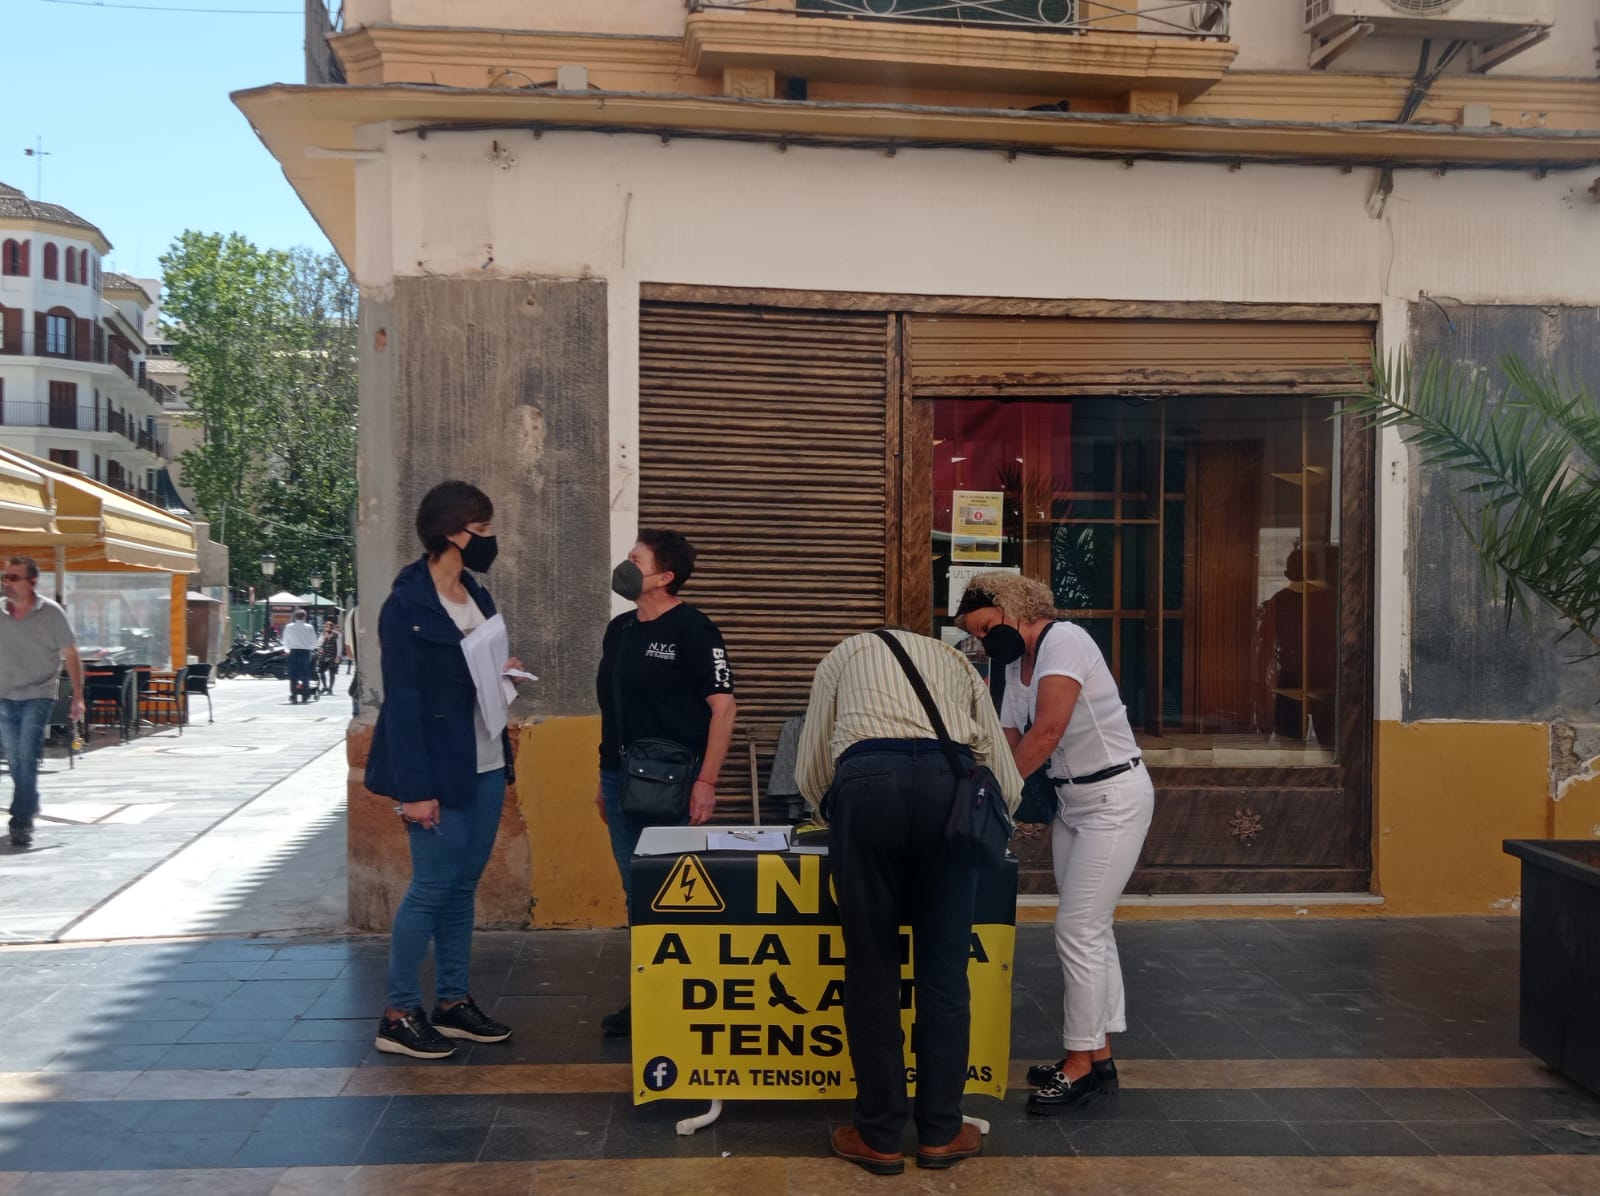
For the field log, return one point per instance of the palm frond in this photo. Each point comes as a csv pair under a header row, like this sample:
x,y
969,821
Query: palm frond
x,y
1527,446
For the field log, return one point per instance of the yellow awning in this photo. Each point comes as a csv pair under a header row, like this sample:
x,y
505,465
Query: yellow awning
x,y
26,503
99,525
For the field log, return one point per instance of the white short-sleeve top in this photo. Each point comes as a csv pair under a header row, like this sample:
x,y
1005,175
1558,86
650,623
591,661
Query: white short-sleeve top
x,y
1098,735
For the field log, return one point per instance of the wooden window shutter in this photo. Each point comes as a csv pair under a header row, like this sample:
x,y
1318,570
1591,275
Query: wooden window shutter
x,y
41,333
83,340
11,329
762,437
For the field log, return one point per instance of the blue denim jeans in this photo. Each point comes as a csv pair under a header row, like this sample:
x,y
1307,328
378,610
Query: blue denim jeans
x,y
438,907
22,727
624,831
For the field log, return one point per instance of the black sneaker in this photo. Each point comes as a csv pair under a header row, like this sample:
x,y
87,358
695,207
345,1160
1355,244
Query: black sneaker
x,y
618,1024
22,836
410,1034
466,1020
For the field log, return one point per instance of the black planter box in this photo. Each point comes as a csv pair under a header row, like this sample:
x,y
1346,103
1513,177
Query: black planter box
x,y
1560,989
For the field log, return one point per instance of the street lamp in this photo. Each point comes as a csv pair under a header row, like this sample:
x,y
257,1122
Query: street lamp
x,y
269,566
316,594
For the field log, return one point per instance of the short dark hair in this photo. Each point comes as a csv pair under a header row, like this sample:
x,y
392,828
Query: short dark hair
x,y
299,616
29,566
674,554
446,510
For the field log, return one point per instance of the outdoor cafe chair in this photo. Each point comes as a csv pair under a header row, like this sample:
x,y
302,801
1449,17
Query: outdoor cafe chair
x,y
198,681
111,690
164,696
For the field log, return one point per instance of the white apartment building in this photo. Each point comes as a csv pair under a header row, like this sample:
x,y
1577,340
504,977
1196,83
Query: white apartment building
x,y
74,387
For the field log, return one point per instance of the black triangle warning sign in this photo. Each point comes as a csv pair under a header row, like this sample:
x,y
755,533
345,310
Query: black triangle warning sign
x,y
688,888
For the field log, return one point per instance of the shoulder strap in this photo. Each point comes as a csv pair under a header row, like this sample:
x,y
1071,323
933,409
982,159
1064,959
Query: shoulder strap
x,y
924,696
1037,644
616,678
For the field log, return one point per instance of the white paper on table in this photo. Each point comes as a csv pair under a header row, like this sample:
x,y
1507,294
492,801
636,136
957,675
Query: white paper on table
x,y
486,649
748,840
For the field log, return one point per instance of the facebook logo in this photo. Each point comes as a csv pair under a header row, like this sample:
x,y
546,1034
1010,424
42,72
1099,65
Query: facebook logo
x,y
660,1074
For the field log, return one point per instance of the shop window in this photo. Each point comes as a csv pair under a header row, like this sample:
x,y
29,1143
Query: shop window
x,y
1196,539
67,457
51,260
14,257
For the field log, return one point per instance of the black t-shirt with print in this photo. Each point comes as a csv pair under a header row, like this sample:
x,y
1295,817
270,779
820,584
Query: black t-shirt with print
x,y
670,666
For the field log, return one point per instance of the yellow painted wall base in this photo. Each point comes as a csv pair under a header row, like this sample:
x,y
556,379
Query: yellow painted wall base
x,y
1447,795
1577,812
575,881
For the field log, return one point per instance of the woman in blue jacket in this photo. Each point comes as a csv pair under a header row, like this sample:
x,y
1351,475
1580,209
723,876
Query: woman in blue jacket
x,y
432,752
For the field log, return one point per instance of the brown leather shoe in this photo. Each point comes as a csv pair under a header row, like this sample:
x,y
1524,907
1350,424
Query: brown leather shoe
x,y
963,1146
847,1144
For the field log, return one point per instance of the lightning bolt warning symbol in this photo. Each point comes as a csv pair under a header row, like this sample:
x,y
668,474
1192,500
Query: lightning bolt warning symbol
x,y
688,887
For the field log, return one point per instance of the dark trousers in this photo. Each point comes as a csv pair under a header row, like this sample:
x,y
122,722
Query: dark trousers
x,y
888,810
301,683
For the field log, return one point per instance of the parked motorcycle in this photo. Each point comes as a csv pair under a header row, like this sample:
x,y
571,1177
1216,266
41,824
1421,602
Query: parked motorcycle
x,y
250,658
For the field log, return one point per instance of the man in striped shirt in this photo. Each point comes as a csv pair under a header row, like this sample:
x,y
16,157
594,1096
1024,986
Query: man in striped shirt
x,y
870,760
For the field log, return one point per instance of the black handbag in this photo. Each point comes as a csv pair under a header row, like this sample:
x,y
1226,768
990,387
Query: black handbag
x,y
979,827
657,774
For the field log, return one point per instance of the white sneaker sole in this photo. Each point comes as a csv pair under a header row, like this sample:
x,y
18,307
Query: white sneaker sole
x,y
455,1032
390,1047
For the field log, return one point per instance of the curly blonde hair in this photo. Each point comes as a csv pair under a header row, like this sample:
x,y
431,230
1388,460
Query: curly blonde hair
x,y
1021,598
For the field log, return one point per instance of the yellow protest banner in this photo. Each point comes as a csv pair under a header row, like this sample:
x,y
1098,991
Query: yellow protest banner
x,y
738,980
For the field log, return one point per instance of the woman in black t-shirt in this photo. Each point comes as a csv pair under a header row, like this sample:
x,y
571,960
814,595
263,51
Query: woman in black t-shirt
x,y
675,684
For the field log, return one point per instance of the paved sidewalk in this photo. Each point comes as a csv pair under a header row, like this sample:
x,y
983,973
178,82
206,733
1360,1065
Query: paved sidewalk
x,y
1352,1056
218,812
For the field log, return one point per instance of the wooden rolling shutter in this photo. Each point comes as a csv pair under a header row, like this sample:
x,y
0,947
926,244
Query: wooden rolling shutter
x,y
762,438
965,355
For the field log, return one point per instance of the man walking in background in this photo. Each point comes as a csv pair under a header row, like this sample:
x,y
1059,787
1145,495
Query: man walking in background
x,y
301,640
35,637
870,760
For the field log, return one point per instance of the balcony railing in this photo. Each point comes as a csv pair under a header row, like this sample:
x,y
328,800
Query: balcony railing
x,y
30,413
1171,18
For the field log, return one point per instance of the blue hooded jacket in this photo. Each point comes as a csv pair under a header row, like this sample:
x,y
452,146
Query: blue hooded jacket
x,y
425,745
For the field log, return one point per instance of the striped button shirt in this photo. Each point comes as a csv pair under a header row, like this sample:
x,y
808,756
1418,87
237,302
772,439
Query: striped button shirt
x,y
861,692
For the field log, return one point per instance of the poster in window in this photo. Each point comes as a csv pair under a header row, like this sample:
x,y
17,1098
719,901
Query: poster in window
x,y
976,518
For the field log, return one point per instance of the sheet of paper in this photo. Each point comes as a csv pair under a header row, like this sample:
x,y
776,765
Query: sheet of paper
x,y
776,839
520,674
486,649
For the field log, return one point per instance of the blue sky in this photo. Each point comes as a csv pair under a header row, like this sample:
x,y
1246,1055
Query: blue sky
x,y
142,138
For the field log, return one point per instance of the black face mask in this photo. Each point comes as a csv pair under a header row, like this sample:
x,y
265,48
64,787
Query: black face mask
x,y
627,581
1003,644
480,552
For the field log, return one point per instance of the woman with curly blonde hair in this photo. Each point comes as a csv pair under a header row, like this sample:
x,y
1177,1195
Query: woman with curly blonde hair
x,y
1062,708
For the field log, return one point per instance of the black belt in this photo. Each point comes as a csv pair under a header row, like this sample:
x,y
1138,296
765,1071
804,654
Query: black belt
x,y
1105,774
906,747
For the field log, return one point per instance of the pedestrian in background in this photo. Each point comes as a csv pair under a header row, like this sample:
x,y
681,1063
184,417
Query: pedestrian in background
x,y
1062,706
664,671
870,760
301,640
432,751
330,647
35,637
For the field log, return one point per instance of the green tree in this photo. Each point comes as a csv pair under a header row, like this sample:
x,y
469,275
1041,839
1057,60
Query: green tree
x,y
269,341
1527,445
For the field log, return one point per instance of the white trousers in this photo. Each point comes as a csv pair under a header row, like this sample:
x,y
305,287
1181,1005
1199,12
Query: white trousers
x,y
1095,842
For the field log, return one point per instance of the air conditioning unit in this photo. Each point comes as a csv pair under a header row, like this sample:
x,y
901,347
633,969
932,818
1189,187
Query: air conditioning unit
x,y
1472,20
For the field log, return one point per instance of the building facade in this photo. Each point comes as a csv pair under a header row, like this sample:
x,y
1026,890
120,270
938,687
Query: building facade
x,y
74,388
865,297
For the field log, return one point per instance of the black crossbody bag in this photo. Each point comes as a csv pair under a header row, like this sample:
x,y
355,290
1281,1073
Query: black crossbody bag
x,y
657,774
1038,787
979,826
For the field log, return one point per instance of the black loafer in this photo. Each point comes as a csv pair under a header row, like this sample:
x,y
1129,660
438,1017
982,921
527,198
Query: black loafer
x,y
1105,1070
1062,1095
